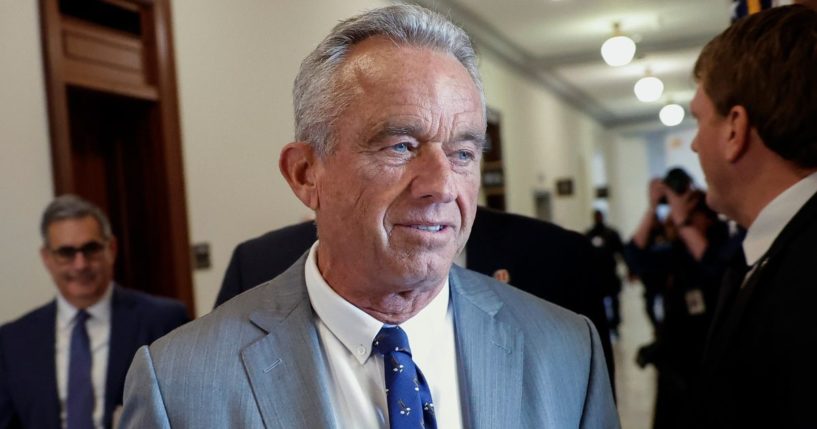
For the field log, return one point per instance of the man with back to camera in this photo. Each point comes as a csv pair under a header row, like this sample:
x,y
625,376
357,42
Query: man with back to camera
x,y
73,376
756,105
373,327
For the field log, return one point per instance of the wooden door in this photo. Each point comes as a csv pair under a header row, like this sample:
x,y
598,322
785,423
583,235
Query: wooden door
x,y
115,139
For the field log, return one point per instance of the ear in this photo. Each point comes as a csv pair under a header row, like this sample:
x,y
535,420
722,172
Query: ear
x,y
737,125
299,165
45,254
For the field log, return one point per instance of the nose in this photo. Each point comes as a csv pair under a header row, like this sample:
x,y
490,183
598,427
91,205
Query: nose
x,y
434,178
80,261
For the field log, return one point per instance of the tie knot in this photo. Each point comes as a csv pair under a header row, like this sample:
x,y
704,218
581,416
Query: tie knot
x,y
391,339
82,316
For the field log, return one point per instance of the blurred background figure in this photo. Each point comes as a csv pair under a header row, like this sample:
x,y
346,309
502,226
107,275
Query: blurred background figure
x,y
64,364
611,250
680,251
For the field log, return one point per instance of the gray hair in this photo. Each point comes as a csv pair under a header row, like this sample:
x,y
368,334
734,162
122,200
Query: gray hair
x,y
317,98
70,206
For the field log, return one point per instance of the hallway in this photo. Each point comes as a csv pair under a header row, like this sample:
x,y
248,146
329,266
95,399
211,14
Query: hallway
x,y
635,387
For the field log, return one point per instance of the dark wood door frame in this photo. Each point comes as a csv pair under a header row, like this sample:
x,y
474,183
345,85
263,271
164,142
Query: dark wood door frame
x,y
79,54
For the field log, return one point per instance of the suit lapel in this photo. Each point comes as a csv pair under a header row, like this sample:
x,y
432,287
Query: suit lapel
x,y
490,356
43,359
289,358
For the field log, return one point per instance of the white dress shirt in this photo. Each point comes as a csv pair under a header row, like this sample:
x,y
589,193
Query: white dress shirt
x,y
357,388
774,217
99,332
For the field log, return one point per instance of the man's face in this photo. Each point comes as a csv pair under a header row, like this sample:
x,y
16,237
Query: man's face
x,y
81,278
708,143
397,197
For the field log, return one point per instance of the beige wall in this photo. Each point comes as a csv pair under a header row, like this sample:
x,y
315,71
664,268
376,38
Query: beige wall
x,y
25,163
543,140
235,69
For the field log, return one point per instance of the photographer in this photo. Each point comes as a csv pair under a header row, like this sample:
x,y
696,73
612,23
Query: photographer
x,y
680,256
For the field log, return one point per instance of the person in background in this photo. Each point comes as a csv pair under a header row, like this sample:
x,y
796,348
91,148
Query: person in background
x,y
64,364
686,251
756,105
375,327
611,249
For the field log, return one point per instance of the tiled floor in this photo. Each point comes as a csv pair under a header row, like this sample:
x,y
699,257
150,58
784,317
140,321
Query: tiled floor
x,y
635,387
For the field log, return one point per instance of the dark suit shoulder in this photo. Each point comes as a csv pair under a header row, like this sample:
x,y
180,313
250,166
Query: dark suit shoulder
x,y
36,318
160,312
293,236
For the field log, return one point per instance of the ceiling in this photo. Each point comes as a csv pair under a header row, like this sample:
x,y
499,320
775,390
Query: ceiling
x,y
557,42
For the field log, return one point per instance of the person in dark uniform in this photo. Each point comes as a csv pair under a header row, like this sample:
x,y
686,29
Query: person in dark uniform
x,y
687,251
608,242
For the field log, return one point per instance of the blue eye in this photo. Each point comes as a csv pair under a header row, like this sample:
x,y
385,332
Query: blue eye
x,y
401,147
464,155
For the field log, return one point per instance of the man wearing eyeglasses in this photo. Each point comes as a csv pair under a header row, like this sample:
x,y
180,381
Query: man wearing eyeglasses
x,y
64,364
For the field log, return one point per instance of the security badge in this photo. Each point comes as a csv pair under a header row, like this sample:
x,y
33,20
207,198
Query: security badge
x,y
695,302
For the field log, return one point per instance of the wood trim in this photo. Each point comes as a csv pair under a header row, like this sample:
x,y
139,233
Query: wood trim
x,y
57,105
165,78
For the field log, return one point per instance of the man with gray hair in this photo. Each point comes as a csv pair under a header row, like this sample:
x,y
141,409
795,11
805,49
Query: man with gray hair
x,y
373,327
64,364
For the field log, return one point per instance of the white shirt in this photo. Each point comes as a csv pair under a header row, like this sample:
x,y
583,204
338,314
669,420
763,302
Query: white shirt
x,y
99,332
774,217
358,388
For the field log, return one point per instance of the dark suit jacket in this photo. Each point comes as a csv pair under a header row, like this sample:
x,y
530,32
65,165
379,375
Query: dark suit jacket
x,y
761,358
543,259
28,375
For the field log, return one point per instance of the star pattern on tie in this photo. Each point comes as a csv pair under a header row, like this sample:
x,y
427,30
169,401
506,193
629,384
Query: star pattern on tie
x,y
406,389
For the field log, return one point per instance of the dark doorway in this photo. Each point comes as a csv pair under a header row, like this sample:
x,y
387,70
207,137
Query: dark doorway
x,y
493,173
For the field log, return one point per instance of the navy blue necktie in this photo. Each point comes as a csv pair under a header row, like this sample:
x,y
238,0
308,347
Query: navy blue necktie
x,y
80,403
407,393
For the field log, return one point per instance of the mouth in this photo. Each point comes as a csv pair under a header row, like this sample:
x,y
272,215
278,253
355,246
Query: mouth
x,y
429,228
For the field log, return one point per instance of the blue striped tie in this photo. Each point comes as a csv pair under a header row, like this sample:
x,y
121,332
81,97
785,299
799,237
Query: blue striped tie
x,y
80,403
407,393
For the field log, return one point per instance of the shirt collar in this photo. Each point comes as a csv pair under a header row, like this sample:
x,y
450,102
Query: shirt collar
x,y
100,311
355,328
773,218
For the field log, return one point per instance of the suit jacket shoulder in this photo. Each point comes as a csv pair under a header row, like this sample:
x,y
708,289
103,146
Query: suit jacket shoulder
x,y
761,356
512,343
28,385
254,361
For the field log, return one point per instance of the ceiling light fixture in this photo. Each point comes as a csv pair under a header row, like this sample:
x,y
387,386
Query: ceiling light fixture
x,y
618,50
671,115
649,88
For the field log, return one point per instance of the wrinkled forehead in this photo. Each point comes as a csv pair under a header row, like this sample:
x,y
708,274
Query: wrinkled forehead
x,y
382,64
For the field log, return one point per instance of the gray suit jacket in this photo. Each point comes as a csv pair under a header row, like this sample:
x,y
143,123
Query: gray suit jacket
x,y
257,361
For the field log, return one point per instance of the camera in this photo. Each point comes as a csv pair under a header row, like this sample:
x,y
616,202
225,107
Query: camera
x,y
678,181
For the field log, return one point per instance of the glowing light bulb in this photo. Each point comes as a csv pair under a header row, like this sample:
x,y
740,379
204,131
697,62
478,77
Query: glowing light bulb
x,y
618,50
671,114
648,88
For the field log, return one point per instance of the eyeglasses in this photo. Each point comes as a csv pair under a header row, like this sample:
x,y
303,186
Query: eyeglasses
x,y
66,254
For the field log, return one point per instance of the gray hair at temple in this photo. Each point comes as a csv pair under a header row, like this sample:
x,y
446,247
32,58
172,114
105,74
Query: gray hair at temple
x,y
318,98
70,206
